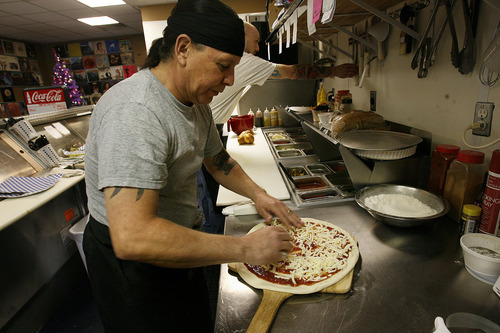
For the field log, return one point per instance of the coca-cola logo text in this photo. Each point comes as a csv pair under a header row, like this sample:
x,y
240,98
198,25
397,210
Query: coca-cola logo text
x,y
45,96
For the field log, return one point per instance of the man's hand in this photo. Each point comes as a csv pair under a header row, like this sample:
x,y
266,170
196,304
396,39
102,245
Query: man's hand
x,y
270,207
266,245
344,70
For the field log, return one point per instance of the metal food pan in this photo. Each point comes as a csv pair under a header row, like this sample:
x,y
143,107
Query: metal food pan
x,y
319,196
318,169
297,171
290,153
310,183
299,137
293,146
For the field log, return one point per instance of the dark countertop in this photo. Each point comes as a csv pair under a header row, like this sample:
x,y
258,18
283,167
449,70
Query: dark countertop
x,y
404,279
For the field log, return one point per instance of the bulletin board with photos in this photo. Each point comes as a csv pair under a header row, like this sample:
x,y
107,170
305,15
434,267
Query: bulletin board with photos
x,y
18,68
97,65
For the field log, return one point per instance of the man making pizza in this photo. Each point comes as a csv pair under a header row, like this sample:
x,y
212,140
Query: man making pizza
x,y
148,136
253,70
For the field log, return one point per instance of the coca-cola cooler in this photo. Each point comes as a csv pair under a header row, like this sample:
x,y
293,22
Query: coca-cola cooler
x,y
47,99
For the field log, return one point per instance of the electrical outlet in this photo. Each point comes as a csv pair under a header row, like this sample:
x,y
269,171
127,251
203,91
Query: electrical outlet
x,y
373,100
483,114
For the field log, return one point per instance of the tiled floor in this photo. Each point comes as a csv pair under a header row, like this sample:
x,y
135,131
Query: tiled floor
x,y
78,313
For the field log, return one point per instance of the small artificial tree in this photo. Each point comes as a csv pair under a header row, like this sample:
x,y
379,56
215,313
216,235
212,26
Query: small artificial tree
x,y
63,77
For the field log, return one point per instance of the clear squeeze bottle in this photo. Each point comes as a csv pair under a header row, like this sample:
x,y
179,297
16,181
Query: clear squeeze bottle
x,y
274,117
267,118
259,118
250,113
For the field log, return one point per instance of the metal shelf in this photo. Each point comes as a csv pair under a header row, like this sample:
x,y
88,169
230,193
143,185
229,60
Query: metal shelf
x,y
347,13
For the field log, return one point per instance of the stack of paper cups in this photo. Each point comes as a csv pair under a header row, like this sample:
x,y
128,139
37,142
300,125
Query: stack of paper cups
x,y
49,155
24,129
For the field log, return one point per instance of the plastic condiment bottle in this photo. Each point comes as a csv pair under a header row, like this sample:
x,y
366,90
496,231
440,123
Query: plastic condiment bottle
x,y
490,220
267,118
442,157
259,118
471,215
280,122
274,117
250,113
321,96
463,181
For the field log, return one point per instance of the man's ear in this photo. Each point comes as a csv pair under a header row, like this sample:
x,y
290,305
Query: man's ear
x,y
183,44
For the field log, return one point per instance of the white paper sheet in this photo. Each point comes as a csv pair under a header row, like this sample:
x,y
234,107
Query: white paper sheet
x,y
293,23
328,10
311,28
287,30
280,34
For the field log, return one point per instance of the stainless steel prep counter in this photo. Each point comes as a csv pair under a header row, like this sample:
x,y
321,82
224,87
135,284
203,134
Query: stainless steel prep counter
x,y
402,281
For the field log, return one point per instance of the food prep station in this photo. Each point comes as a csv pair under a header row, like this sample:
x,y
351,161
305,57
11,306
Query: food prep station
x,y
34,230
310,181
405,277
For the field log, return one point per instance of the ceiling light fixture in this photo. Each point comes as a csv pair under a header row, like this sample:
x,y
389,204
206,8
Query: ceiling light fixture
x,y
102,3
98,20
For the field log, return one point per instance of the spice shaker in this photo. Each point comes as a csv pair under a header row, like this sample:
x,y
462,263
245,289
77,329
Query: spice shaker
x,y
491,198
463,181
441,160
471,215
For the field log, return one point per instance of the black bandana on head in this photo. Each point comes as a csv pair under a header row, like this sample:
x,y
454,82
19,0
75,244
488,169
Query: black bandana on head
x,y
222,32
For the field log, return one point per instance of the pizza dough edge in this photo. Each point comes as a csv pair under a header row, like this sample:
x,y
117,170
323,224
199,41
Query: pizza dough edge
x,y
259,283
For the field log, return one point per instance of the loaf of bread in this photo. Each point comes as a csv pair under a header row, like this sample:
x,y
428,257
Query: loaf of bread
x,y
246,137
356,120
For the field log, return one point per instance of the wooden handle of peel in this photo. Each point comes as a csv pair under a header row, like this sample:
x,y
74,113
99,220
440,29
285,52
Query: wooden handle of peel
x,y
264,316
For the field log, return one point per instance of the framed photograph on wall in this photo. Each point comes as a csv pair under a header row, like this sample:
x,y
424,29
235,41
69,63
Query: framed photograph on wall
x,y
8,47
7,94
99,47
114,59
112,46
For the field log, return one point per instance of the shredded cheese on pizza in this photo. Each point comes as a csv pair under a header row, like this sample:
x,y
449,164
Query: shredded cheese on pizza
x,y
319,252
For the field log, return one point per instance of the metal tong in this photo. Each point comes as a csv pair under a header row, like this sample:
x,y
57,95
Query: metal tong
x,y
423,57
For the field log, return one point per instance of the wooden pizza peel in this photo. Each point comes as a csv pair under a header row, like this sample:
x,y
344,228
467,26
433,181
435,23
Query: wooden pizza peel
x,y
272,300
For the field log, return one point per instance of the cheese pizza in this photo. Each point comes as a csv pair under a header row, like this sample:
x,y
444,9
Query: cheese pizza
x,y
322,255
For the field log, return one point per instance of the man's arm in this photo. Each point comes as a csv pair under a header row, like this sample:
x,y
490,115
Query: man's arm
x,y
138,234
227,172
306,72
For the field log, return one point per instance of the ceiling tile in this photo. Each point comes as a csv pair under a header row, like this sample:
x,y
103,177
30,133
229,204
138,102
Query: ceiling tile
x,y
6,31
126,19
46,17
79,13
35,27
20,7
118,10
15,20
58,5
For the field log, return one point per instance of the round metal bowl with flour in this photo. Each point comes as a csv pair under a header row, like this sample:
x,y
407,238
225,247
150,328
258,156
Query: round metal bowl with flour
x,y
399,219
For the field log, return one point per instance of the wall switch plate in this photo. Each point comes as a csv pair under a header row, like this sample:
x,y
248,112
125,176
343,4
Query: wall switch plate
x,y
373,100
483,114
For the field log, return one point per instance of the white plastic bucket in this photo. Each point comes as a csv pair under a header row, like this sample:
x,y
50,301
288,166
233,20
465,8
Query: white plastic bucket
x,y
76,234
